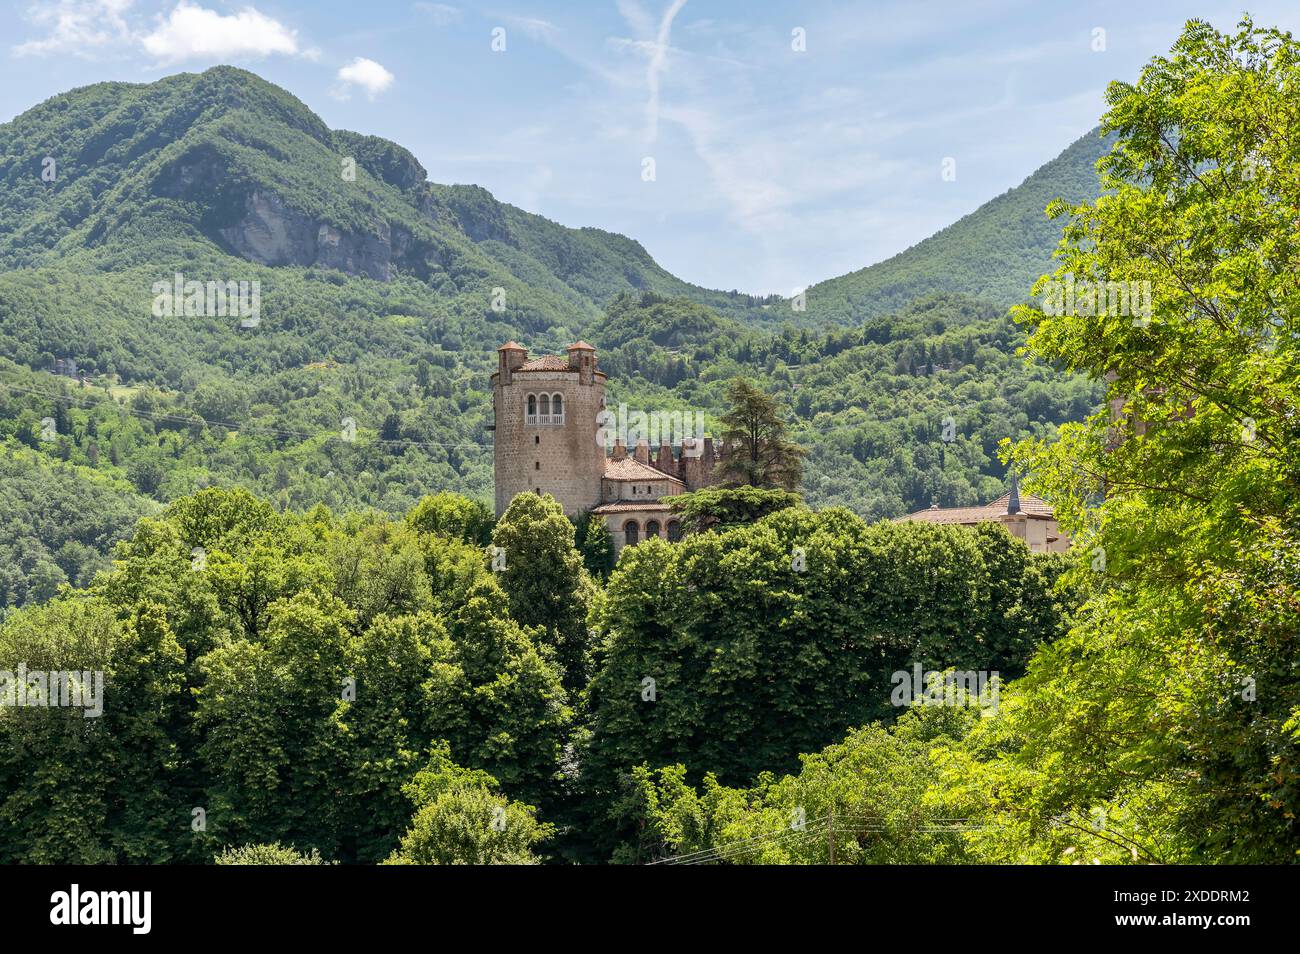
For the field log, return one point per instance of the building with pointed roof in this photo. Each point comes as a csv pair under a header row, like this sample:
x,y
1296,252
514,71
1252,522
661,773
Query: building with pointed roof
x,y
1025,516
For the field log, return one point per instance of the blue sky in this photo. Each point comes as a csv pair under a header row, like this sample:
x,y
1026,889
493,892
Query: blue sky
x,y
774,167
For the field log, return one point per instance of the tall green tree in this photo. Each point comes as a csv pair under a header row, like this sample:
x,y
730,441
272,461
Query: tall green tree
x,y
541,571
755,448
1175,705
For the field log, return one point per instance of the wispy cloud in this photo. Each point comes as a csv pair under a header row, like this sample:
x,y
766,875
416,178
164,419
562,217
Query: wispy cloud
x,y
441,14
658,62
534,28
77,27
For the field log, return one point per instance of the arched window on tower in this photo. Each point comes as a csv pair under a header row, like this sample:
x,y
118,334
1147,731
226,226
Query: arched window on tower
x,y
651,529
544,410
630,533
531,416
557,409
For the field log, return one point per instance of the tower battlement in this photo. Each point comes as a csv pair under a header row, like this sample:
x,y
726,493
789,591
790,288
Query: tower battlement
x,y
548,441
545,432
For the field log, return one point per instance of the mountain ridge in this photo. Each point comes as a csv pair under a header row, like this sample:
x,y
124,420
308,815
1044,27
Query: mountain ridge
x,y
377,306
253,172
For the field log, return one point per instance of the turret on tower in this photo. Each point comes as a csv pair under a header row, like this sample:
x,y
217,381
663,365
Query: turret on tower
x,y
545,430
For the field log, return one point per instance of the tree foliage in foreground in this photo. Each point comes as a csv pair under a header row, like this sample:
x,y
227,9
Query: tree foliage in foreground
x,y
462,819
733,652
721,508
269,678
272,854
1176,700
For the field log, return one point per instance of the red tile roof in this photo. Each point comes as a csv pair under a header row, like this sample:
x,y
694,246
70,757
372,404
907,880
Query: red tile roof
x,y
550,362
628,507
631,469
990,512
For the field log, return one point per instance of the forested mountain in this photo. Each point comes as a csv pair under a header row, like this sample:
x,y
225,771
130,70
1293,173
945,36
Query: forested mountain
x,y
995,253
197,166
382,298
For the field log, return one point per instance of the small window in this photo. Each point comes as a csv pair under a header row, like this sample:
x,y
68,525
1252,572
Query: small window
x,y
545,409
531,417
537,438
557,409
537,465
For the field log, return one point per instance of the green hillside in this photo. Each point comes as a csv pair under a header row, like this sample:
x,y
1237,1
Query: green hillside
x,y
995,253
192,166
364,382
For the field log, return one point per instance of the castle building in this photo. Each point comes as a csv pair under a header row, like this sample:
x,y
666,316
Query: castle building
x,y
1025,516
547,442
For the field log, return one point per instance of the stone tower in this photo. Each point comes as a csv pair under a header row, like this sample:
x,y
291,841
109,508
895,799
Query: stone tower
x,y
545,432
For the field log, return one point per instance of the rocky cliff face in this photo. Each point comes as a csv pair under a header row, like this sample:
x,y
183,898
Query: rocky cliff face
x,y
272,233
256,223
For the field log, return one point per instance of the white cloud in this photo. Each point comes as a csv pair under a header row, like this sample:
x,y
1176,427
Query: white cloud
x,y
441,14
191,32
535,29
367,74
658,63
77,27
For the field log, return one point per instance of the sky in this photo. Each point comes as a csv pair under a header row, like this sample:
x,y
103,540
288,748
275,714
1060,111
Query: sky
x,y
760,146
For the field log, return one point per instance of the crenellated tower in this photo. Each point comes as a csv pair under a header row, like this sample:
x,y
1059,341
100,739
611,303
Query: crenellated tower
x,y
545,429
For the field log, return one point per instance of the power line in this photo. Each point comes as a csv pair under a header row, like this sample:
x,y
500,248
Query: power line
x,y
829,824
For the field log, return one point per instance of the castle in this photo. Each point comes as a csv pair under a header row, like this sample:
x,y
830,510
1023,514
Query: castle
x,y
547,442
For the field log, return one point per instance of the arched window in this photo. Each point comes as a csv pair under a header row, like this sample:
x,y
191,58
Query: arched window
x,y
674,531
531,416
630,531
651,529
544,410
557,409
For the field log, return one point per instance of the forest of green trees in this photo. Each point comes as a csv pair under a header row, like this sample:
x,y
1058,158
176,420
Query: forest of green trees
x,y
319,648
352,685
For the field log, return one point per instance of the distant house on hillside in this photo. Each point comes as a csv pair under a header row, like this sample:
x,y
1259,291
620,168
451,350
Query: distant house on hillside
x,y
1025,516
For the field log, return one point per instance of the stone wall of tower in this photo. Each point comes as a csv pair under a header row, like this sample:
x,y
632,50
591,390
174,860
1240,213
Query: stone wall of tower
x,y
562,460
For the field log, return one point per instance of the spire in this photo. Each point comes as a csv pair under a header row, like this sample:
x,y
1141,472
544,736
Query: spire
x,y
1013,502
